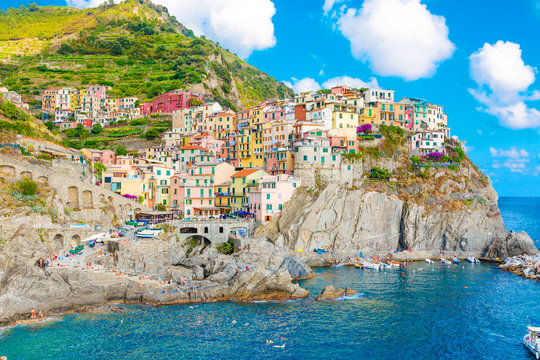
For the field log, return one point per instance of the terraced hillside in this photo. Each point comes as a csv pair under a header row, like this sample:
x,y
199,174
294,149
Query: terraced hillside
x,y
135,47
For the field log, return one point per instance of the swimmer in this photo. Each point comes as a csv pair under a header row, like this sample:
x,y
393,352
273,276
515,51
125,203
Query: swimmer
x,y
280,346
234,321
246,324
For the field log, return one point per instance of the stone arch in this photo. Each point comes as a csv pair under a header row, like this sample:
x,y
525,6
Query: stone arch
x,y
43,179
75,240
221,229
188,230
7,170
127,207
206,229
59,241
73,197
87,202
26,174
200,239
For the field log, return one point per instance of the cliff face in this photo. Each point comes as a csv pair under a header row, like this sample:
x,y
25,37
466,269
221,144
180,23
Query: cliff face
x,y
455,211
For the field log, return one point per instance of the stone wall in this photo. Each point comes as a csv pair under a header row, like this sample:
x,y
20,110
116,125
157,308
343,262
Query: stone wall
x,y
344,174
74,191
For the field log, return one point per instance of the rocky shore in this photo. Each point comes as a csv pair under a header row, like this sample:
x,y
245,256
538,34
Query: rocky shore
x,y
148,271
526,266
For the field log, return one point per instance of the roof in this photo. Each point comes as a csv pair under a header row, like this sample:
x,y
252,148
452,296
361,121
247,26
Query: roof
x,y
189,147
244,173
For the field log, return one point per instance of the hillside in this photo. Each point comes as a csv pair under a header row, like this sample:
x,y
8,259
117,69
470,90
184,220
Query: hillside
x,y
135,47
15,120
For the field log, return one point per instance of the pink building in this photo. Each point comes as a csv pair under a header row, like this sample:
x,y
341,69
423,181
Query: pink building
x,y
171,101
193,196
343,144
266,201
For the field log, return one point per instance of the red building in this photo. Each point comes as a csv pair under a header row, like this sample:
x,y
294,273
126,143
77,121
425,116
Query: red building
x,y
171,101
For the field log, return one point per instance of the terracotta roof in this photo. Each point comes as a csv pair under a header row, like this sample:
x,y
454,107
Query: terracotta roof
x,y
189,147
244,173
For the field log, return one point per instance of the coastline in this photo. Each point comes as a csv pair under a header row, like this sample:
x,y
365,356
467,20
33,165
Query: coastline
x,y
118,306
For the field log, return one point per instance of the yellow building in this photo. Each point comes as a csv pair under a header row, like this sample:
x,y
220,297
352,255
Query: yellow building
x,y
241,184
344,117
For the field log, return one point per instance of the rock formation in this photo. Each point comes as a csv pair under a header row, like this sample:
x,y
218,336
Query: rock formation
x,y
332,293
454,211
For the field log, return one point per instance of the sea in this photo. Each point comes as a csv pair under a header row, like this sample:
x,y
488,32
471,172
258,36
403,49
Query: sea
x,y
422,311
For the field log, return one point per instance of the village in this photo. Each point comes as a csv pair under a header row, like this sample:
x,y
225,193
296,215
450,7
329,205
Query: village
x,y
215,162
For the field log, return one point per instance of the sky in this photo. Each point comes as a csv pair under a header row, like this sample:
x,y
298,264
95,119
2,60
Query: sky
x,y
479,59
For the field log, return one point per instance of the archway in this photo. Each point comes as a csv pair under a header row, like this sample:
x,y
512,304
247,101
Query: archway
x,y
75,240
221,229
26,174
87,201
43,180
7,170
73,197
206,229
59,241
188,230
196,244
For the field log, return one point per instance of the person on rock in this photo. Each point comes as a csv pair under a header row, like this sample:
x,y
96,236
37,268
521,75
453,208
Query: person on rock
x,y
33,313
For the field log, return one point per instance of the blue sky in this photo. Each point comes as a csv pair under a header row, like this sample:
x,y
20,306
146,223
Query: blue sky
x,y
491,99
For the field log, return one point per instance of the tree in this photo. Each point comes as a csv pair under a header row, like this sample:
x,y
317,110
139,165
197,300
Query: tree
x,y
48,124
117,49
161,207
96,129
33,7
100,168
151,134
121,150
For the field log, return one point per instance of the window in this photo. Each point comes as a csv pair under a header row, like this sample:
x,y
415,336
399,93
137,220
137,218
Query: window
x,y
267,196
305,157
159,172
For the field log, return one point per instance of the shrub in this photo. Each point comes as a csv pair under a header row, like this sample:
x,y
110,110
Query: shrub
x,y
27,187
226,248
151,134
380,173
366,129
416,159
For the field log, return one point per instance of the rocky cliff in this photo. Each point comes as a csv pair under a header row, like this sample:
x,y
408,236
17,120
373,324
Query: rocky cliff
x,y
426,211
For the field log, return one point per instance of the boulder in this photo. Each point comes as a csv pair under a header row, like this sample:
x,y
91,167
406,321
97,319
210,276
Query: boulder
x,y
330,292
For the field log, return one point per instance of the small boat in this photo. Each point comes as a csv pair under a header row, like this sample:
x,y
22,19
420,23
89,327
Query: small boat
x,y
473,260
455,260
148,233
532,339
429,261
372,266
445,262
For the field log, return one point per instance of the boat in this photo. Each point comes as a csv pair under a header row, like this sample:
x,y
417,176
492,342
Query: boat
x,y
372,266
532,339
148,233
455,260
445,261
429,261
473,260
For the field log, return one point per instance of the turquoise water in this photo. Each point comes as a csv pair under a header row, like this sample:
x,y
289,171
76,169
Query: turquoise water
x,y
522,214
467,311
457,312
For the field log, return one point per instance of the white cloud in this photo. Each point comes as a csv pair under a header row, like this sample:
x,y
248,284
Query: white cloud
x,y
309,84
329,4
513,153
306,84
503,80
515,160
397,37
350,81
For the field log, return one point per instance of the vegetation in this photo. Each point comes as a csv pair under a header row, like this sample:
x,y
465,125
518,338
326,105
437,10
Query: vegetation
x,y
226,248
394,138
26,187
380,173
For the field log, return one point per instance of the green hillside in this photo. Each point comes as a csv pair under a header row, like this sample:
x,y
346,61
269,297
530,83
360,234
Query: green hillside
x,y
135,47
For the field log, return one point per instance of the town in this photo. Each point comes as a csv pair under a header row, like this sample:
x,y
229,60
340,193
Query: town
x,y
215,162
